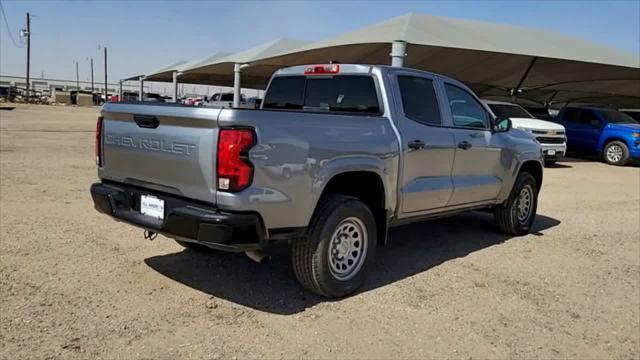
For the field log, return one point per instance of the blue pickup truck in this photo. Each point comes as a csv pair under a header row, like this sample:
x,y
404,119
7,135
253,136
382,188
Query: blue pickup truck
x,y
613,135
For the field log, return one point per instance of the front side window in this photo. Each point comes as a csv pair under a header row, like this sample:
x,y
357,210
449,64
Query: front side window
x,y
419,100
465,109
617,117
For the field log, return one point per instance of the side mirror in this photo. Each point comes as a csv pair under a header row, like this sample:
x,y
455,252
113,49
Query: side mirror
x,y
502,125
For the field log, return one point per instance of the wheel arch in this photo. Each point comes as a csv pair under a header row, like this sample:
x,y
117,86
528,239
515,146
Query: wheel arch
x,y
366,185
535,168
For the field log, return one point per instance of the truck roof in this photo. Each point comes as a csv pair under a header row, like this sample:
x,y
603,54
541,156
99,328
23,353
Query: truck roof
x,y
361,69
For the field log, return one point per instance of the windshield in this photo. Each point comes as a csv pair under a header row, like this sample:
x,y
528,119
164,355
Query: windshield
x,y
617,117
510,111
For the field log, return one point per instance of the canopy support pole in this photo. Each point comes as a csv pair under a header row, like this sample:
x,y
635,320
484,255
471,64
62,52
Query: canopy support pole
x,y
516,90
237,71
175,86
140,94
120,91
398,52
547,104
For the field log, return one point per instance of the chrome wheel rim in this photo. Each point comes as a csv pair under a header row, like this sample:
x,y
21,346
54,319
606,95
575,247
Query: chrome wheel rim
x,y
525,204
614,153
348,248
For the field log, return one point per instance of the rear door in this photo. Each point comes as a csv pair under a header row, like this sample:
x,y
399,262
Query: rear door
x,y
477,170
588,129
428,146
165,148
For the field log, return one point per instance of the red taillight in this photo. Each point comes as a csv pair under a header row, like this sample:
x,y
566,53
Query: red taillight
x,y
98,141
322,69
234,171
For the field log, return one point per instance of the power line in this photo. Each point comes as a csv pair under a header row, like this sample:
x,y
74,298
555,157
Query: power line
x,y
8,28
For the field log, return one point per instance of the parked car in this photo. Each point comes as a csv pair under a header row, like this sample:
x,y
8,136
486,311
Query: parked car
x,y
152,97
610,134
550,135
370,147
225,100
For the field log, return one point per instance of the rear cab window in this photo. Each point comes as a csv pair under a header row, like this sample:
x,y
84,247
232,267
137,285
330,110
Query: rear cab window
x,y
356,94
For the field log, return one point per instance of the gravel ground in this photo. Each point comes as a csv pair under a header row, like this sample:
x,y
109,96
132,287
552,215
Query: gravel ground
x,y
75,284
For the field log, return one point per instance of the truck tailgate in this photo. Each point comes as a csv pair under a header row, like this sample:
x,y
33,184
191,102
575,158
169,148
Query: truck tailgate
x,y
166,148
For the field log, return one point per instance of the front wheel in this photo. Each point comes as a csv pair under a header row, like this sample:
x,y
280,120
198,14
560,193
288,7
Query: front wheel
x,y
616,153
515,216
333,258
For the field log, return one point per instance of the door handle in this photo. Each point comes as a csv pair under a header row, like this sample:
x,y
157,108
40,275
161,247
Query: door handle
x,y
416,145
146,121
465,145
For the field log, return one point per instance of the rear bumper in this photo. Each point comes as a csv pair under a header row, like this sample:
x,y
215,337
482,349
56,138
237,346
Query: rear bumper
x,y
184,219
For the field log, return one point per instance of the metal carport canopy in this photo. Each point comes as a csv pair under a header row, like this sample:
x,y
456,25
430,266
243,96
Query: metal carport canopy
x,y
512,58
220,71
165,74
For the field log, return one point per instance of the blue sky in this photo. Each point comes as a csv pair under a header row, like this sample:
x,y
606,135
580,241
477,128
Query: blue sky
x,y
144,35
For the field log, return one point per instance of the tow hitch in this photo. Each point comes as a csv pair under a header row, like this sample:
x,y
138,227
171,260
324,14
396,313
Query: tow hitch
x,y
150,235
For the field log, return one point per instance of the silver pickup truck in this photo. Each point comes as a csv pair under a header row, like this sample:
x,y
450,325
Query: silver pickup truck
x,y
337,154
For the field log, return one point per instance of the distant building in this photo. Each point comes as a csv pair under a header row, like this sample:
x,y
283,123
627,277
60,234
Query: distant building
x,y
49,86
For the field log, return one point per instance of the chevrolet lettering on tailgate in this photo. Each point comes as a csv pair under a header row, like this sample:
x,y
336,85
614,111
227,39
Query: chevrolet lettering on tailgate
x,y
150,144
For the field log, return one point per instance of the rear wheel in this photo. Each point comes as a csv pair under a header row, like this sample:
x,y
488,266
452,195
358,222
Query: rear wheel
x,y
616,153
333,258
515,216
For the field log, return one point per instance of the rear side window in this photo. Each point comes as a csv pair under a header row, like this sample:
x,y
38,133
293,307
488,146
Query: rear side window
x,y
345,93
571,115
419,100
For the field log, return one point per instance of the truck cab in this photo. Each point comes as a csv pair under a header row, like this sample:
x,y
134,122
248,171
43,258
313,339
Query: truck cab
x,y
612,135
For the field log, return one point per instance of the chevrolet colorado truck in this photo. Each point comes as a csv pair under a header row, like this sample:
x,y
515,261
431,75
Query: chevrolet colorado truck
x,y
550,135
336,155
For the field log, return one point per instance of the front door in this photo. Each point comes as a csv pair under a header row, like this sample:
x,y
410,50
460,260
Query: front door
x,y
428,146
476,174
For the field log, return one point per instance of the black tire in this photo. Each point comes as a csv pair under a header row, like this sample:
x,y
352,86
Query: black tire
x,y
194,247
507,215
312,264
550,162
616,153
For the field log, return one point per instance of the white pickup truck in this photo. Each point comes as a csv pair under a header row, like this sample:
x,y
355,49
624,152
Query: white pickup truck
x,y
550,135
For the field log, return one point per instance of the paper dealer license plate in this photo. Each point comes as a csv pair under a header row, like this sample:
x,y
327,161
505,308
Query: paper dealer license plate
x,y
152,206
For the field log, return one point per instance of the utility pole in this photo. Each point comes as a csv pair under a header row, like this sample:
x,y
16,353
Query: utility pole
x,y
77,77
92,76
106,94
27,33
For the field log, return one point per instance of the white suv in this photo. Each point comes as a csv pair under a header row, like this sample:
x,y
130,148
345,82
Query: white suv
x,y
550,135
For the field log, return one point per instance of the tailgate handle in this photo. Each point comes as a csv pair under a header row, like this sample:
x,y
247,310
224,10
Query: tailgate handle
x,y
146,121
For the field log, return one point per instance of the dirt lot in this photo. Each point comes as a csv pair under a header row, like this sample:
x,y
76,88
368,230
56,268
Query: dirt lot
x,y
75,284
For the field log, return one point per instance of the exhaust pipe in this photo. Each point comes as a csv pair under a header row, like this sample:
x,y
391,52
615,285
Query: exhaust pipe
x,y
258,256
